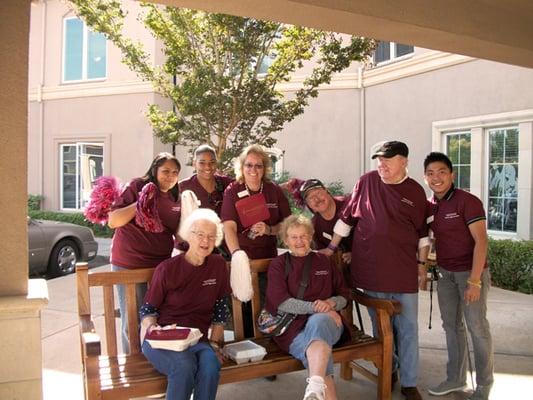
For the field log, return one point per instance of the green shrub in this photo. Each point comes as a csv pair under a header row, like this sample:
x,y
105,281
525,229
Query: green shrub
x,y
511,264
34,202
74,218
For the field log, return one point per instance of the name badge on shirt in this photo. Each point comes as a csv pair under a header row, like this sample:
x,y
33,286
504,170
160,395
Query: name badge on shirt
x,y
243,193
430,219
327,235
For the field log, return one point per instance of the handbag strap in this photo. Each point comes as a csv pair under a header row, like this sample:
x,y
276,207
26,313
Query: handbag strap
x,y
305,274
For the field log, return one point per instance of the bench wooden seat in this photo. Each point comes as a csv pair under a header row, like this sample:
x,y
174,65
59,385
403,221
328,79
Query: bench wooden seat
x,y
109,375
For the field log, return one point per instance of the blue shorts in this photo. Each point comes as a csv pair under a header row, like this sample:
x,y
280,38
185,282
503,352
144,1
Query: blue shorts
x,y
319,326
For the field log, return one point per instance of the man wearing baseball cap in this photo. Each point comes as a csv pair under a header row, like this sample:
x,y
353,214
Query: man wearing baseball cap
x,y
387,212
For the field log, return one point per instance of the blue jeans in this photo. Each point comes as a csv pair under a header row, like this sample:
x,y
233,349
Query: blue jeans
x,y
196,368
405,330
140,291
321,327
454,311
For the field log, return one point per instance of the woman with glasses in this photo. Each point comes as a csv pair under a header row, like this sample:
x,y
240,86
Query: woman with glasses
x,y
318,325
190,290
252,176
206,183
133,245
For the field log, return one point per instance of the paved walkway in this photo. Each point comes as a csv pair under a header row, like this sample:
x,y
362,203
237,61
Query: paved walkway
x,y
510,315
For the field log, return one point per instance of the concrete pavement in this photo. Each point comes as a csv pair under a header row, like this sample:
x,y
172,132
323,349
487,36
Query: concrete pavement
x,y
510,315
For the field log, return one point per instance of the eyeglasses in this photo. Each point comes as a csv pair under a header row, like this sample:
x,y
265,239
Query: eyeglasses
x,y
254,166
204,236
303,237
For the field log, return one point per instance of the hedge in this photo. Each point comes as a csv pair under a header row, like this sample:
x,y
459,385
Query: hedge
x,y
511,264
73,218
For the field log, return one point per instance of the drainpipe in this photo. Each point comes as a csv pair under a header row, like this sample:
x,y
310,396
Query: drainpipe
x,y
40,99
362,122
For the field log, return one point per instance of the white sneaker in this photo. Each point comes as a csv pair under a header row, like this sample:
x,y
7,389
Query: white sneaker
x,y
315,389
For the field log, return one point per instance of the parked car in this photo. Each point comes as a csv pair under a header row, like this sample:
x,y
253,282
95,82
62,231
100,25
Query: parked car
x,y
55,247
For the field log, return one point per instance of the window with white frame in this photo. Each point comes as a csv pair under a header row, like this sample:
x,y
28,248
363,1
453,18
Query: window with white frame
x,y
84,52
276,157
458,146
81,164
502,205
389,51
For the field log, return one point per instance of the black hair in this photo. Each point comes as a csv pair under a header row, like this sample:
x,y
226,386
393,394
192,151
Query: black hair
x,y
204,148
436,156
151,174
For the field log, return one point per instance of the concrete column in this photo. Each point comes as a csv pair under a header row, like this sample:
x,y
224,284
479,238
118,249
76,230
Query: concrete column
x,y
20,301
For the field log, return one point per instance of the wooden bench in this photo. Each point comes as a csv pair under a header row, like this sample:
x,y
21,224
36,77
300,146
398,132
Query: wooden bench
x,y
109,375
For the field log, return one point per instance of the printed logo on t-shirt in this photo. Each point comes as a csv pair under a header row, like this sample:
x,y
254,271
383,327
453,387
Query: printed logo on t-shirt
x,y
408,202
176,209
272,205
451,215
322,272
209,282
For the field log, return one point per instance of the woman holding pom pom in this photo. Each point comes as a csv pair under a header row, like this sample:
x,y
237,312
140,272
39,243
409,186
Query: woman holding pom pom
x,y
145,217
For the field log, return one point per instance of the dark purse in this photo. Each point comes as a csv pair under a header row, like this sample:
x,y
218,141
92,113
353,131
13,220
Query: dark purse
x,y
277,324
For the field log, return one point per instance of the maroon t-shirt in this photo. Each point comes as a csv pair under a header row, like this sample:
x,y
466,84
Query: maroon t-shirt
x,y
186,294
134,247
449,219
211,200
262,246
325,280
388,221
324,228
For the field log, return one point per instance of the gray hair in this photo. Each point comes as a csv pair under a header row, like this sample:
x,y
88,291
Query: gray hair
x,y
293,221
201,214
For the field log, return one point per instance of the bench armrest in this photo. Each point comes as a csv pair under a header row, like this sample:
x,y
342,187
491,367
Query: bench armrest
x,y
90,340
391,307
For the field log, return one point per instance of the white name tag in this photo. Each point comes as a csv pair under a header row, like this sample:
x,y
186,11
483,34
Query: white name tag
x,y
430,219
242,194
327,235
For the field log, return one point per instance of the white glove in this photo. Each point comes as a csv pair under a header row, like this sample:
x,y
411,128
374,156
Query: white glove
x,y
240,276
189,203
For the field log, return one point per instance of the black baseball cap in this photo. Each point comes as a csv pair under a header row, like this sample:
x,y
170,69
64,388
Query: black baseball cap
x,y
391,149
309,185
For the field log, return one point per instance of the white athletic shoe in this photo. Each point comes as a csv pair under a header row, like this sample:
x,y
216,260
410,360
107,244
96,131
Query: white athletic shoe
x,y
315,389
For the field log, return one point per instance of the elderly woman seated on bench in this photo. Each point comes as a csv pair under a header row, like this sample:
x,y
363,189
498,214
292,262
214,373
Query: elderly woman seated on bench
x,y
190,290
318,325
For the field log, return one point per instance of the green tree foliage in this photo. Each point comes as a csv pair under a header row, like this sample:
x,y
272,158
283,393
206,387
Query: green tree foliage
x,y
226,70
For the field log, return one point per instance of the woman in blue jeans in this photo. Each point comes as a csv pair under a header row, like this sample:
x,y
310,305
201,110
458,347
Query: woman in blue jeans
x,y
190,290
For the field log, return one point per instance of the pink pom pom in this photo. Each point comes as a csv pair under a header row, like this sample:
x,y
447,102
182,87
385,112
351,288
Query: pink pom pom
x,y
147,215
292,186
105,192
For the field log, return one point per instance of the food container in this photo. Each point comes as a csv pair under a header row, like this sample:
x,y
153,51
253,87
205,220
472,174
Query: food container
x,y
245,351
163,338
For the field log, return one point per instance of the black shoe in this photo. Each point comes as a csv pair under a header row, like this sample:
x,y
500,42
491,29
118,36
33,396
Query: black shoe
x,y
411,393
271,378
393,380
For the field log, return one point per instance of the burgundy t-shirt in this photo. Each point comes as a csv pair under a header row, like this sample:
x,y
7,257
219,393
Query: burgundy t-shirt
x,y
186,294
324,228
325,280
262,246
449,220
211,200
388,221
132,246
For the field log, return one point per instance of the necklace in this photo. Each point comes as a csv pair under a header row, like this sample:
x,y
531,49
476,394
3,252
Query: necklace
x,y
250,191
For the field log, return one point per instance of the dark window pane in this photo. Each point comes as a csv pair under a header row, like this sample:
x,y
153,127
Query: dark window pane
x,y
495,214
69,177
510,214
496,144
382,52
403,49
463,180
452,148
511,146
464,149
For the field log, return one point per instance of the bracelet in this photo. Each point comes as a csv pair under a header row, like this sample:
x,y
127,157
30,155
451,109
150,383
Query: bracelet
x,y
474,283
332,247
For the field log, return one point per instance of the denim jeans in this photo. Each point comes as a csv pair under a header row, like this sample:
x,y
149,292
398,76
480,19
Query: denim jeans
x,y
140,291
319,326
196,368
405,331
454,311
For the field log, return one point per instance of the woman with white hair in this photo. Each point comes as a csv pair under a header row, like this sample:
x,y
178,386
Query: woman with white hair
x,y
190,290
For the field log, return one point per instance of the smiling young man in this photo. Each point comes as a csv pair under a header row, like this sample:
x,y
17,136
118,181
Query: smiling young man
x,y
387,211
457,219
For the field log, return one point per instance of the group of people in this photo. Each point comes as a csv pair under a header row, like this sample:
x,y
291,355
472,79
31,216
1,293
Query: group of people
x,y
381,230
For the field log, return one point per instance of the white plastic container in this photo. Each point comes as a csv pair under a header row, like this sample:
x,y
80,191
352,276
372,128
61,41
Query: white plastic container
x,y
177,345
245,351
